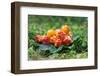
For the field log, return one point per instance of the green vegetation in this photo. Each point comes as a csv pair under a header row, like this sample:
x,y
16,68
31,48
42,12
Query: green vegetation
x,y
41,24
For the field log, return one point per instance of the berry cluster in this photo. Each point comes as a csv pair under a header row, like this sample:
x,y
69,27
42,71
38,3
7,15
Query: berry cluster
x,y
57,37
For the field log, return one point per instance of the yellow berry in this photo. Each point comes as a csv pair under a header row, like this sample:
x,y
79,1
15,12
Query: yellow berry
x,y
51,33
65,29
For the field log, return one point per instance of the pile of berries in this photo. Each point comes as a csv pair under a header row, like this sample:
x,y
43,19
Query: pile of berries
x,y
56,37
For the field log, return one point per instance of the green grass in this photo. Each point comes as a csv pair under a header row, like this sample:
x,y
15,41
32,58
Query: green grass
x,y
41,24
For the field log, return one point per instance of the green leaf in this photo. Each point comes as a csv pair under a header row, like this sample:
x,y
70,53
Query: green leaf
x,y
59,49
50,48
44,47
